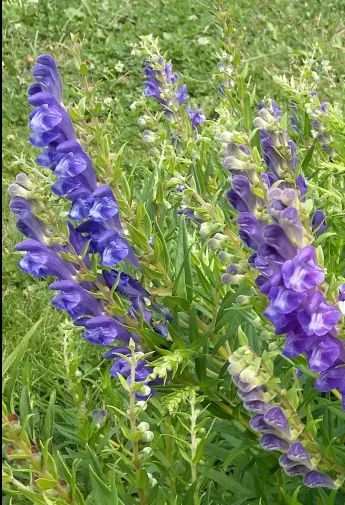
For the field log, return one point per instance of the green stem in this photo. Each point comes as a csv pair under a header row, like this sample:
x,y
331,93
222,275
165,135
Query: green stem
x,y
132,421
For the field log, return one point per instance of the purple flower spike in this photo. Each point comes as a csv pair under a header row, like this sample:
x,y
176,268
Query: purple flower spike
x,y
120,367
302,272
113,248
103,205
271,442
196,116
318,479
182,96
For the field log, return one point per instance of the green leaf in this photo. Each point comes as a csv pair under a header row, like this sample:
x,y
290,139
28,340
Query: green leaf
x,y
308,157
25,410
101,493
49,417
46,483
17,354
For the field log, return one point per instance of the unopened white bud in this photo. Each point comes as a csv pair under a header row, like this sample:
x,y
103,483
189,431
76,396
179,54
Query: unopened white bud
x,y
243,300
220,237
141,404
141,122
143,426
24,181
147,451
148,436
15,189
145,390
225,257
149,136
78,373
133,105
226,137
213,244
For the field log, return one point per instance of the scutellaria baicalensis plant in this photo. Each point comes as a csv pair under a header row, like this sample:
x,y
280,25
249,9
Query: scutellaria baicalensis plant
x,y
153,267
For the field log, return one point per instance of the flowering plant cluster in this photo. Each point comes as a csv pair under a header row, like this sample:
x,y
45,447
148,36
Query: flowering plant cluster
x,y
94,229
137,261
272,221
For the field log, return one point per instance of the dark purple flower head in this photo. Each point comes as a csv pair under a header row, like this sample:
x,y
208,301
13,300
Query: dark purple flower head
x,y
271,442
319,223
302,272
298,453
325,352
75,300
318,317
113,248
28,223
318,479
182,95
275,418
334,378
302,185
274,236
49,121
285,301
196,116
41,261
103,330
47,76
125,284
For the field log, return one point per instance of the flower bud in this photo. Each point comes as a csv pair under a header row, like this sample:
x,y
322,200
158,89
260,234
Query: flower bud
x,y
148,436
243,300
225,257
226,137
213,244
23,180
220,237
231,279
145,390
143,426
232,269
207,228
141,405
152,480
147,451
15,189
149,136
141,122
